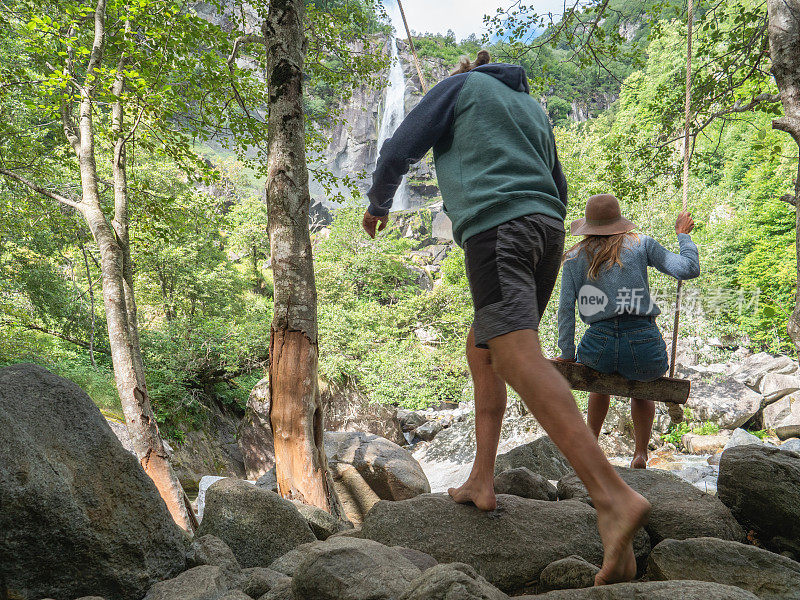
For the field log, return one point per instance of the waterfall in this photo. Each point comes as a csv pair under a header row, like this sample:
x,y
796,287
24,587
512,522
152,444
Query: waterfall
x,y
394,110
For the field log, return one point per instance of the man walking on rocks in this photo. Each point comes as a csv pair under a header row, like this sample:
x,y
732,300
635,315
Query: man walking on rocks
x,y
504,191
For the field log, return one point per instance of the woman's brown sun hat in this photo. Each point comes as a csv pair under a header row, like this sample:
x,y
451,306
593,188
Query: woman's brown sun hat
x,y
603,217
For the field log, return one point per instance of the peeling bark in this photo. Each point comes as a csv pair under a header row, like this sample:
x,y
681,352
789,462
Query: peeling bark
x,y
784,46
295,407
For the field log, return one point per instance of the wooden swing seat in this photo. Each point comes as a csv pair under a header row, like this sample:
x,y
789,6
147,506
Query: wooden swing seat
x,y
585,379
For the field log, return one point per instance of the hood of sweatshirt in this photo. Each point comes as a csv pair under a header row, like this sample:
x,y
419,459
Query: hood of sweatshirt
x,y
512,75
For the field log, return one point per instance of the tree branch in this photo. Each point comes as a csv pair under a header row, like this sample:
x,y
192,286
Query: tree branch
x,y
43,191
789,199
61,336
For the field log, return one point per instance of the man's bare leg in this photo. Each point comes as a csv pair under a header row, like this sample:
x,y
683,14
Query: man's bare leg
x,y
598,409
518,359
642,412
490,405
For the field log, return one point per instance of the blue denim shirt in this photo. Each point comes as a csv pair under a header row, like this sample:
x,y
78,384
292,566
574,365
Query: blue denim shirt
x,y
620,289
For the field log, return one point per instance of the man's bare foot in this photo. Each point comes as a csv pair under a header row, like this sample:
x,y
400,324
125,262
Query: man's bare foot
x,y
618,524
639,462
480,495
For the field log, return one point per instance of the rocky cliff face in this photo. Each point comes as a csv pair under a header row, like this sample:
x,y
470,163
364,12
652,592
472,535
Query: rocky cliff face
x,y
353,149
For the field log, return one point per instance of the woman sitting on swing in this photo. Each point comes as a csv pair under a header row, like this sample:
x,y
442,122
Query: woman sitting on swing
x,y
606,274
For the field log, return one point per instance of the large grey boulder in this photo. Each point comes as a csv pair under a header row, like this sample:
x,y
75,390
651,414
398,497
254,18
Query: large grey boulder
x,y
775,386
322,523
456,581
255,433
524,483
367,468
769,576
571,573
651,590
752,369
761,486
783,413
348,409
257,581
258,525
541,456
200,583
210,550
680,510
724,401
741,437
78,515
353,569
509,547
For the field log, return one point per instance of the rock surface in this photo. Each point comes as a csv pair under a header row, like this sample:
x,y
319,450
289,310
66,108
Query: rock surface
x,y
257,525
353,569
724,401
255,433
783,413
200,583
569,573
541,456
524,483
72,496
509,547
761,486
680,510
456,581
367,468
210,550
348,409
322,523
769,576
654,590
257,581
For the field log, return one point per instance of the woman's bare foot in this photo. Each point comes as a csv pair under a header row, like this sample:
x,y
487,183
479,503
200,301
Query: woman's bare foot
x,y
481,495
618,524
639,462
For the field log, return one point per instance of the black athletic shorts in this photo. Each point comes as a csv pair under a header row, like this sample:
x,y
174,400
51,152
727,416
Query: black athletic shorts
x,y
512,270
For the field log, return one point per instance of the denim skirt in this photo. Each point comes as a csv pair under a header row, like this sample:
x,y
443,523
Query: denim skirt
x,y
630,345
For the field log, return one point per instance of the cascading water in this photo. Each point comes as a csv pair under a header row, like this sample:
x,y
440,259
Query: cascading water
x,y
394,107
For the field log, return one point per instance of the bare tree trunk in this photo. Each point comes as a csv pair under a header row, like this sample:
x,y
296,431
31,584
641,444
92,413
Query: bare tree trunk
x,y
295,408
138,410
784,46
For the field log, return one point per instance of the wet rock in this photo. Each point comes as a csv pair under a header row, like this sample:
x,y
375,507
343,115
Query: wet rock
x,y
257,525
541,456
450,582
72,496
761,486
509,547
569,573
680,510
525,484
769,576
367,468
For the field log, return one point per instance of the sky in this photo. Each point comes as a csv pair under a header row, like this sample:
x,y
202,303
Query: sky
x,y
462,16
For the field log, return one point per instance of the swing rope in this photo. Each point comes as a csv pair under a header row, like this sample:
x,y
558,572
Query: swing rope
x,y
413,49
675,413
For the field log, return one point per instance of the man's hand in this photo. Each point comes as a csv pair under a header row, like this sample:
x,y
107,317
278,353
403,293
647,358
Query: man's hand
x,y
564,360
684,223
370,223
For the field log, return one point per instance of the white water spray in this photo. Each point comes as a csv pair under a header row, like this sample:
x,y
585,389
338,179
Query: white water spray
x,y
394,104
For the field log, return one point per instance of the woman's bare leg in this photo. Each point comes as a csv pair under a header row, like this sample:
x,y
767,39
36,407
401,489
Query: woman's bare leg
x,y
642,412
490,405
598,409
518,359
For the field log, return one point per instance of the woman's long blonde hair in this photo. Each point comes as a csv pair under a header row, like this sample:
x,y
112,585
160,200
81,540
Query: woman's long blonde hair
x,y
601,250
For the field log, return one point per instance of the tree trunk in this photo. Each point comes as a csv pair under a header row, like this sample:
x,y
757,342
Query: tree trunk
x,y
784,46
295,408
136,405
